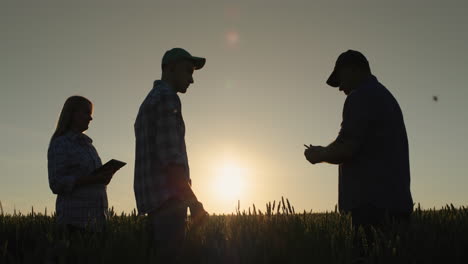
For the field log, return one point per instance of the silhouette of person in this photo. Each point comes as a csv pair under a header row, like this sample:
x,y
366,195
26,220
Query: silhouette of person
x,y
371,148
162,181
72,160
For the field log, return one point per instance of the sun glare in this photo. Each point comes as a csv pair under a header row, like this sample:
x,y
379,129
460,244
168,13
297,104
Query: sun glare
x,y
229,182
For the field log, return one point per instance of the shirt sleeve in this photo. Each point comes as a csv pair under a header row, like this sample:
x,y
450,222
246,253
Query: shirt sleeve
x,y
169,131
357,116
63,172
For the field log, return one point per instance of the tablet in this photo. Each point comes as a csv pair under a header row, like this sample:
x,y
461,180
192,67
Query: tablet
x,y
111,164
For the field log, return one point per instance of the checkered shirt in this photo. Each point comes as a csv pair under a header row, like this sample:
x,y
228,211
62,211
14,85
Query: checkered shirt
x,y
160,141
71,156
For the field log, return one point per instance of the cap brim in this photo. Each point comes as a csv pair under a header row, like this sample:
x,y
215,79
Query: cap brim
x,y
198,62
333,80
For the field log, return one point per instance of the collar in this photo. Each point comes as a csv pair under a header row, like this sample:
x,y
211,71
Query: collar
x,y
369,82
163,87
80,137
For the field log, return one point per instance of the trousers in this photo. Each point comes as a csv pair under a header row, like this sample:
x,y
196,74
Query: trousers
x,y
167,225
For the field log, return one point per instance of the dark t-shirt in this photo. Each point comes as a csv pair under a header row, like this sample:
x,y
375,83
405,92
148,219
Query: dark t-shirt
x,y
379,172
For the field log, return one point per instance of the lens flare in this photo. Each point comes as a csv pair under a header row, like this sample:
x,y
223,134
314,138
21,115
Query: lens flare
x,y
232,38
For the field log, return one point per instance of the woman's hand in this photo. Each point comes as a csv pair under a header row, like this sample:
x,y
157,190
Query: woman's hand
x,y
105,177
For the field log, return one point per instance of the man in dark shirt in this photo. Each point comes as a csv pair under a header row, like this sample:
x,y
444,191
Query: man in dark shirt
x,y
371,148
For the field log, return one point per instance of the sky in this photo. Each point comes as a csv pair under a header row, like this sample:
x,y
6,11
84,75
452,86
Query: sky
x,y
259,98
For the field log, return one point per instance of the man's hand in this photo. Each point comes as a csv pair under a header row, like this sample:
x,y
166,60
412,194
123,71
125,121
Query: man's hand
x,y
313,154
177,179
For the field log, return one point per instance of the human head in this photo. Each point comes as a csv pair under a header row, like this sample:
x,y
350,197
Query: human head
x,y
177,68
76,115
350,70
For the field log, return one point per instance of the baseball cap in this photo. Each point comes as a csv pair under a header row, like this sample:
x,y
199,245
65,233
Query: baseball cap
x,y
348,58
176,54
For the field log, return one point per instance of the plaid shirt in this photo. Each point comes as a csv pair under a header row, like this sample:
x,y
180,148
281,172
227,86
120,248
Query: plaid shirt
x,y
69,157
160,141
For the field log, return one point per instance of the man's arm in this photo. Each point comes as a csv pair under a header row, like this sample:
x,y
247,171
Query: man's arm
x,y
356,119
169,145
167,130
336,153
176,174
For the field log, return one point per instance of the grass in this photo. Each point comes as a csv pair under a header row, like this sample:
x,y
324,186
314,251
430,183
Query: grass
x,y
277,235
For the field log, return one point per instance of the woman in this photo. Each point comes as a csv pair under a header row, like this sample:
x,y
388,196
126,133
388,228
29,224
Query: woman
x,y
72,159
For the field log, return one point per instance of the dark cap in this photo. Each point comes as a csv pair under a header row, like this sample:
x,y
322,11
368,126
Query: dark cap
x,y
350,58
177,54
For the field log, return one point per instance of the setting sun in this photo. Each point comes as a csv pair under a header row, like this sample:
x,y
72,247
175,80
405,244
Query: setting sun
x,y
229,181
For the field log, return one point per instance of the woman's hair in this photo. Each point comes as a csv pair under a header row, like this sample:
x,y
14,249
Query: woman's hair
x,y
72,104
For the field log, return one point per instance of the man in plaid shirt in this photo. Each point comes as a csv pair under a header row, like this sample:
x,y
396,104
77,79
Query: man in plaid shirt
x,y
162,178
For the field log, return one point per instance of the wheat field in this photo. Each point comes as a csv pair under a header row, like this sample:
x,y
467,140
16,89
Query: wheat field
x,y
276,235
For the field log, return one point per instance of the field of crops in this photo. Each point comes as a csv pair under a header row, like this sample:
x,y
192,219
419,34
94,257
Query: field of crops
x,y
276,235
